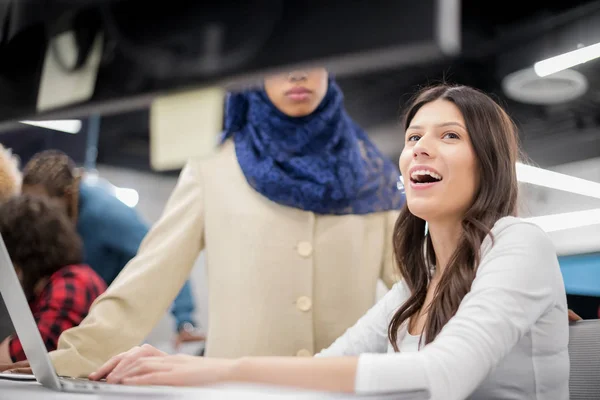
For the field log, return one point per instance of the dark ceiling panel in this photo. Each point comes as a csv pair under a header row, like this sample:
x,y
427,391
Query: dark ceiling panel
x,y
497,40
153,47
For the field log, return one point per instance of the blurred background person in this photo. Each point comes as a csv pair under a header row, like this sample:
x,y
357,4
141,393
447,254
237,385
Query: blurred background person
x,y
10,186
10,175
295,212
47,255
111,231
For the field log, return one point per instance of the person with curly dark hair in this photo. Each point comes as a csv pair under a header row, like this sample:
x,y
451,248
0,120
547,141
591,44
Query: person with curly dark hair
x,y
111,231
47,255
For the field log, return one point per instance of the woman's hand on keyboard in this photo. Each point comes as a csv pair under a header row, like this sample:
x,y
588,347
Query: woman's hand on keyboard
x,y
116,365
20,367
176,370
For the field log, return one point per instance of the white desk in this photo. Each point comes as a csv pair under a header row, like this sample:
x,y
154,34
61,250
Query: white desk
x,y
10,390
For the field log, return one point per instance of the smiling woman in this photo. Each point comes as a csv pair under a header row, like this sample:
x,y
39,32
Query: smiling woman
x,y
469,145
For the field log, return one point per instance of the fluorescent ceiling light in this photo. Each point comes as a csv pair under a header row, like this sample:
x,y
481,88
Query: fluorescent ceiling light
x,y
72,126
128,196
570,220
550,179
555,180
567,60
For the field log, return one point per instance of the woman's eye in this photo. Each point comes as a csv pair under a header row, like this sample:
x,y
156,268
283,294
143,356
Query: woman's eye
x,y
451,135
413,138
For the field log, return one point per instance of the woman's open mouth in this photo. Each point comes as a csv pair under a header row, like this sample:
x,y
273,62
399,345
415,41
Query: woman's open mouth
x,y
424,178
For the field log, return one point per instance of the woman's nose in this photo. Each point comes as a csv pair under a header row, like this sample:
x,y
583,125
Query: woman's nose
x,y
422,148
296,76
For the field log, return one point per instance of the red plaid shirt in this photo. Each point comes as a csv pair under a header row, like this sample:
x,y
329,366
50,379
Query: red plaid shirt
x,y
63,303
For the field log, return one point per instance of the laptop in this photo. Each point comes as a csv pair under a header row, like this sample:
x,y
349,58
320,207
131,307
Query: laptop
x,y
33,345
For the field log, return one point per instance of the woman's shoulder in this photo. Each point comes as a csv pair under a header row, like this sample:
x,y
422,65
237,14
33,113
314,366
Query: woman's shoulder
x,y
221,152
508,227
74,280
222,157
513,233
81,273
396,296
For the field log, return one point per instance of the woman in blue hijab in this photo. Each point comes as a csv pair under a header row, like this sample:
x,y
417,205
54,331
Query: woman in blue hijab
x,y
295,211
317,160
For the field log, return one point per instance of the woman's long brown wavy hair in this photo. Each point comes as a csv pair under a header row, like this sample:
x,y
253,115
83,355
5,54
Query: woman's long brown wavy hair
x,y
495,143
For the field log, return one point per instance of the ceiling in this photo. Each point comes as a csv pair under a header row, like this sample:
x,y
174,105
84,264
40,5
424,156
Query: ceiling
x,y
496,40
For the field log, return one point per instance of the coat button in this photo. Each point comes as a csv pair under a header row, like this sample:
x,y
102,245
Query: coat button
x,y
305,249
304,353
303,303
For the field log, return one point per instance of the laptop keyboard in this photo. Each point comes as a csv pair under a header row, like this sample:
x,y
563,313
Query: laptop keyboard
x,y
86,384
80,379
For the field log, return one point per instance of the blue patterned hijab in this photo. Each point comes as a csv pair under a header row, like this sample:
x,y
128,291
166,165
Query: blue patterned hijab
x,y
323,162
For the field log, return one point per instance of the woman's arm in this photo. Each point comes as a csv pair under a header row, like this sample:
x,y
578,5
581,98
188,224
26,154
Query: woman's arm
x,y
323,374
133,304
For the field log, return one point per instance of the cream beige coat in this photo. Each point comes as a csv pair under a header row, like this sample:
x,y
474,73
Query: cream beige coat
x,y
281,281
